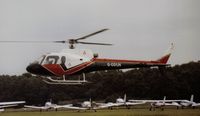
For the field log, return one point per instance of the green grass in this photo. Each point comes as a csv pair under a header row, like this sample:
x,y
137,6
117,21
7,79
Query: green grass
x,y
116,112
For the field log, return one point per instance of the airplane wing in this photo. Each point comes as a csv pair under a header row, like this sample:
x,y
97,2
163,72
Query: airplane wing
x,y
143,101
12,103
75,108
62,106
150,101
196,104
108,105
119,104
36,107
173,104
175,100
6,106
136,103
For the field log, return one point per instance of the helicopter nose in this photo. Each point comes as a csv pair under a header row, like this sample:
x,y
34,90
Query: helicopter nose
x,y
37,69
33,68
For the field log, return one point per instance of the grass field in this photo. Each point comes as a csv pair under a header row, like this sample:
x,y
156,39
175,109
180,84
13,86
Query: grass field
x,y
116,112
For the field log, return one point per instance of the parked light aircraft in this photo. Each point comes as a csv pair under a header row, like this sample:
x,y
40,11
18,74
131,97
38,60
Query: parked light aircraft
x,y
160,103
89,105
9,104
72,62
48,105
120,102
191,103
86,105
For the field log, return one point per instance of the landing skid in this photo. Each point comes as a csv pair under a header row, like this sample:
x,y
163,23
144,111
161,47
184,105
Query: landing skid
x,y
52,81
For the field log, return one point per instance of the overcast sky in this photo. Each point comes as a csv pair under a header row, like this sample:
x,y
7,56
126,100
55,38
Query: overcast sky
x,y
139,29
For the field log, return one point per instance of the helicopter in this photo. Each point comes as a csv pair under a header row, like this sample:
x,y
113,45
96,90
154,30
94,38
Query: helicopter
x,y
73,61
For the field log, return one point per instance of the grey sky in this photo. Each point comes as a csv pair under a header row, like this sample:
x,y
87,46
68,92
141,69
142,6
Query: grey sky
x,y
140,29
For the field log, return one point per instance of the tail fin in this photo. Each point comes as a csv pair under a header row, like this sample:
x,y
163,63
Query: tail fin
x,y
166,56
91,105
164,99
124,98
192,98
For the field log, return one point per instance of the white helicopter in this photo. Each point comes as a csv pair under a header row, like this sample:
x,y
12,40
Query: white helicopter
x,y
80,61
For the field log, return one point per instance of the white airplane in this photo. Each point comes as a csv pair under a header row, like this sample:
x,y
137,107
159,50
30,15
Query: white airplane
x,y
9,104
89,105
123,102
86,105
191,103
119,102
48,105
160,103
164,102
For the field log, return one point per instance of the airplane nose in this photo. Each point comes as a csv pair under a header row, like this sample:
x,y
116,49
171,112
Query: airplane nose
x,y
37,69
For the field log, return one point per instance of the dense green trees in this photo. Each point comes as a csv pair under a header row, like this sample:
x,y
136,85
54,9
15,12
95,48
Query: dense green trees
x,y
177,82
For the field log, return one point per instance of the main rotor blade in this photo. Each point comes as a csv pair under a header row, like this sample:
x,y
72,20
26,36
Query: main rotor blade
x,y
84,37
33,42
91,43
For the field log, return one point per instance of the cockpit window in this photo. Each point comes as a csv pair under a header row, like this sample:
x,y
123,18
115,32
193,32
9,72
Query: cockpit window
x,y
40,60
51,59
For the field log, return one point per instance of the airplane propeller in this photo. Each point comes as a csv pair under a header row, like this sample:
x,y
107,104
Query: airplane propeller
x,y
71,42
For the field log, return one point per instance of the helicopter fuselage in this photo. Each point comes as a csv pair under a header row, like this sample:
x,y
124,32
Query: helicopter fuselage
x,y
72,62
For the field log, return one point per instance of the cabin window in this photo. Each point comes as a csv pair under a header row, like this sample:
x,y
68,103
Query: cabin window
x,y
63,60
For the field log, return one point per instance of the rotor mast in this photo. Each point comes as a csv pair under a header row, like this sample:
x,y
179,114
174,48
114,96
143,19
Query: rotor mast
x,y
71,42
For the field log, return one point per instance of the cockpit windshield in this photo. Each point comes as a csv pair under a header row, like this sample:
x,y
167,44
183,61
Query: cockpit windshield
x,y
51,59
40,60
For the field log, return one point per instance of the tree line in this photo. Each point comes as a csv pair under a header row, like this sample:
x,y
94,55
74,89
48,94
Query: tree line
x,y
177,82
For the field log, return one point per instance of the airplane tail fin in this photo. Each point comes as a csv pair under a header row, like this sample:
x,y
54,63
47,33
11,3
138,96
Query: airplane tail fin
x,y
192,98
166,56
90,102
164,99
124,98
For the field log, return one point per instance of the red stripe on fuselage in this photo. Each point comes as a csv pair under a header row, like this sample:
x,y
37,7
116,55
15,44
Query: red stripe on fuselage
x,y
125,61
54,68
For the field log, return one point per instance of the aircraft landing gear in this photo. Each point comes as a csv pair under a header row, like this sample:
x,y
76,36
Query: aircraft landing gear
x,y
64,81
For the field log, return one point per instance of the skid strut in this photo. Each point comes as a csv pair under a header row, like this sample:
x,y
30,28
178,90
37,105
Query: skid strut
x,y
64,81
